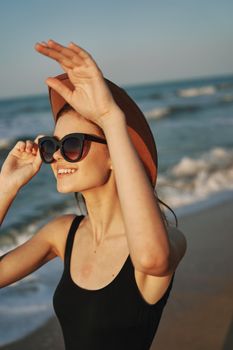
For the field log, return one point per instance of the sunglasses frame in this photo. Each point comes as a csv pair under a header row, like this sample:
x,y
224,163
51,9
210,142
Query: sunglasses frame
x,y
59,144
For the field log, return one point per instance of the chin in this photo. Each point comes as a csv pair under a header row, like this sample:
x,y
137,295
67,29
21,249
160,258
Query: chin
x,y
66,188
66,184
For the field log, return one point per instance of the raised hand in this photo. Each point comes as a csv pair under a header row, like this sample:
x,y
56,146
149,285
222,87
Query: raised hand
x,y
21,164
91,96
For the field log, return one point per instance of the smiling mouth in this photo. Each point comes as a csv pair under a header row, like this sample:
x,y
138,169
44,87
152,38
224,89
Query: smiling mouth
x,y
59,175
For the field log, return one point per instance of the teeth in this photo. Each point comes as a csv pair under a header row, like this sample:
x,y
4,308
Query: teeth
x,y
66,171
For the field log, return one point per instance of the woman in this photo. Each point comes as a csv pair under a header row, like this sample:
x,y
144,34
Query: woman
x,y
119,259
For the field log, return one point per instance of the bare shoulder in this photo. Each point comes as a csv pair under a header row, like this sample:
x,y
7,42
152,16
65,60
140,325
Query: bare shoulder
x,y
56,231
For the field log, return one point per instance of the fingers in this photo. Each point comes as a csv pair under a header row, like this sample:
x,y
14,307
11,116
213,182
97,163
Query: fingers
x,y
54,54
79,50
54,50
69,56
72,55
71,51
20,146
28,145
25,146
28,150
83,53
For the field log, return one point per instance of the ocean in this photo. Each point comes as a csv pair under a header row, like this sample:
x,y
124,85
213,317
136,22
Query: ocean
x,y
192,123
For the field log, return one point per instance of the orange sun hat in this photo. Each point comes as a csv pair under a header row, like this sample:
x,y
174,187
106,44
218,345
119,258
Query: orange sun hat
x,y
137,125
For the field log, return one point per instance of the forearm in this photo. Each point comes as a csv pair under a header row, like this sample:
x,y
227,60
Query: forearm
x,y
7,196
146,232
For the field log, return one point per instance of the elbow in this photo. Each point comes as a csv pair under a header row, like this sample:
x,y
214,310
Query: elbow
x,y
167,262
156,267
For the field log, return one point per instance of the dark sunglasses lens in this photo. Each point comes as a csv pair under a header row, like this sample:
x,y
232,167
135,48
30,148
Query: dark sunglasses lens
x,y
48,148
72,148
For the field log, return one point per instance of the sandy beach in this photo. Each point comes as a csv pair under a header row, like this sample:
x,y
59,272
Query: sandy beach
x,y
198,315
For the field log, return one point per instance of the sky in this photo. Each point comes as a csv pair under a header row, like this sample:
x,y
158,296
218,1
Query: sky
x,y
132,41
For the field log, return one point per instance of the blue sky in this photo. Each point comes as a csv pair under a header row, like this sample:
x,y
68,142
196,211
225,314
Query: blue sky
x,y
132,41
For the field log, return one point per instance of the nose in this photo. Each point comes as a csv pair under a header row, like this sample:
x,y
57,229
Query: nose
x,y
57,155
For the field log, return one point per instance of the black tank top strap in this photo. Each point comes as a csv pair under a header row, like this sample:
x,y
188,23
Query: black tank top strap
x,y
70,237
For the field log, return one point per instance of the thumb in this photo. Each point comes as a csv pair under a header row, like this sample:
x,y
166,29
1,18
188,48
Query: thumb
x,y
60,88
38,160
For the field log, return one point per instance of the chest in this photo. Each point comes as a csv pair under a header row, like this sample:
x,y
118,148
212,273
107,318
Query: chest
x,y
98,269
94,268
101,267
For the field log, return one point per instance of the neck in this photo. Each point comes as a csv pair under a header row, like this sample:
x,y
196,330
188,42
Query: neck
x,y
104,219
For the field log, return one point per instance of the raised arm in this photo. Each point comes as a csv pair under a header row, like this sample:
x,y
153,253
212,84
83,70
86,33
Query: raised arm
x,y
22,163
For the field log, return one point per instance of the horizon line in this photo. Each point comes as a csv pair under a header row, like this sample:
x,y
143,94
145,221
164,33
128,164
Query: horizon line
x,y
130,85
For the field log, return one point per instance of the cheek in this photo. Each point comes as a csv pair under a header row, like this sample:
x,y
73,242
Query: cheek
x,y
96,154
95,169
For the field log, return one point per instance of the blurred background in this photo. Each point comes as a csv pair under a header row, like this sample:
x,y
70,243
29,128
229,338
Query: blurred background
x,y
174,58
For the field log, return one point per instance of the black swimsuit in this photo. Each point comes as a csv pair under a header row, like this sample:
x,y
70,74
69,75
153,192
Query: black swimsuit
x,y
115,317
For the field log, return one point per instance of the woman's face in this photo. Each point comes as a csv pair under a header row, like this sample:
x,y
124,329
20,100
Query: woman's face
x,y
93,169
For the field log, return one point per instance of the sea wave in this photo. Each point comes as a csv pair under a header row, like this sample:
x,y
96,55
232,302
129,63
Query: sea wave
x,y
160,112
30,109
157,113
167,111
196,91
155,96
18,233
188,181
192,179
193,91
24,105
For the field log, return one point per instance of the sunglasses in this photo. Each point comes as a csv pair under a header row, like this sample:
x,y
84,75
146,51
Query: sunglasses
x,y
71,146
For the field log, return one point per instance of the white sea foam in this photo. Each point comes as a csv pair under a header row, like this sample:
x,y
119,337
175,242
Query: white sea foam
x,y
14,238
160,112
215,159
191,92
157,113
192,180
